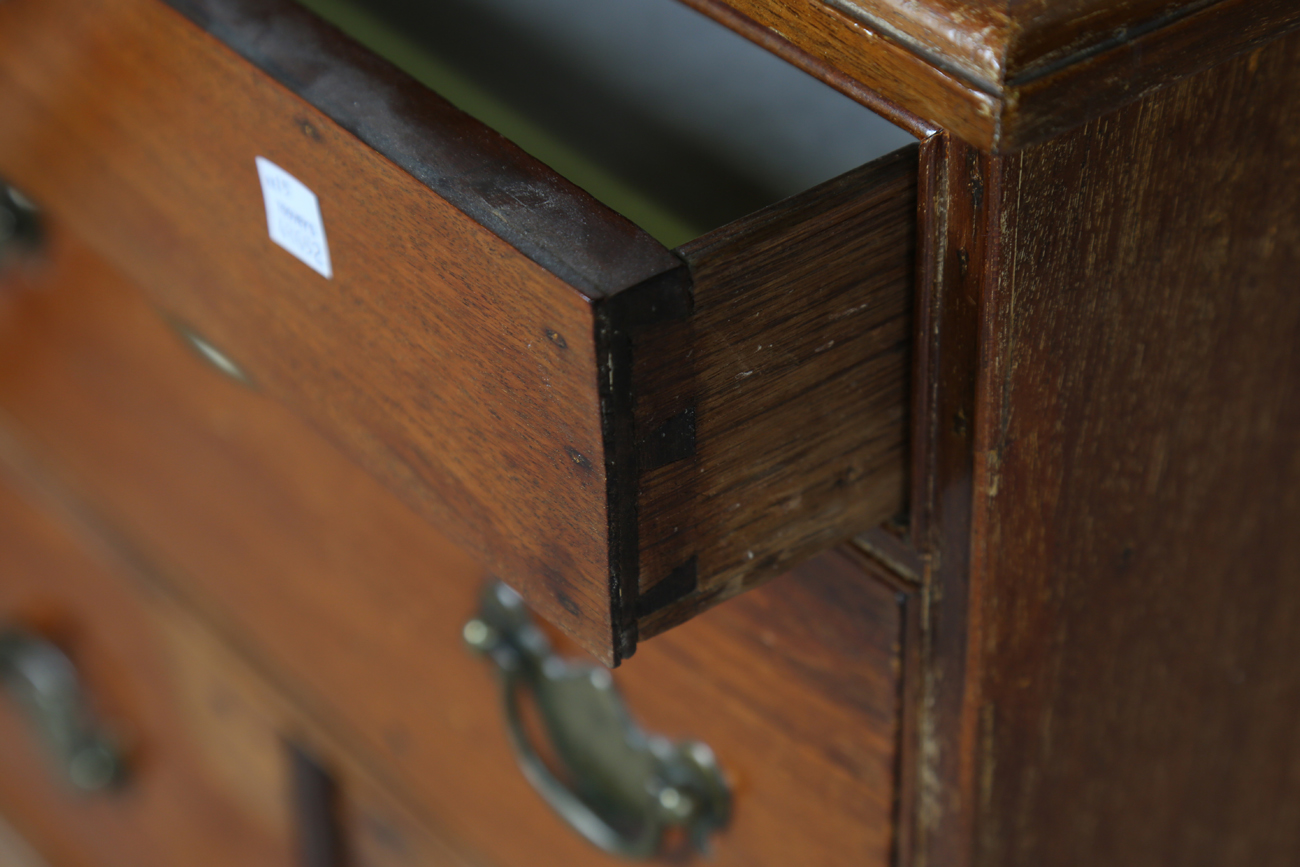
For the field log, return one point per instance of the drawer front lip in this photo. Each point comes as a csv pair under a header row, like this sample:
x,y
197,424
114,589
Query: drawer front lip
x,y
498,399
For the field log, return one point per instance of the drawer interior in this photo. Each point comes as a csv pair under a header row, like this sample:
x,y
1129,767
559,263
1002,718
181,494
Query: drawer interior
x,y
666,116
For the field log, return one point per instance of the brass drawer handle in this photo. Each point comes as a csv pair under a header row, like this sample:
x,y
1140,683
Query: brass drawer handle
x,y
626,789
46,685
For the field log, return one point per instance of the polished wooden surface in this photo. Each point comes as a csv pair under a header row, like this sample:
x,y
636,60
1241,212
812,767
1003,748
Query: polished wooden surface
x,y
427,355
197,791
1141,456
998,41
482,387
958,230
1111,652
353,605
1003,76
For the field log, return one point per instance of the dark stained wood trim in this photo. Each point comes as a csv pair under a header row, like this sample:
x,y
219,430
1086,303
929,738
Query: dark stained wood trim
x,y
538,212
966,239
618,321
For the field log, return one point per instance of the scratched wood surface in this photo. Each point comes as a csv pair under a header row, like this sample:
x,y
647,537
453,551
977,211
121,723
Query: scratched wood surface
x,y
353,607
1134,697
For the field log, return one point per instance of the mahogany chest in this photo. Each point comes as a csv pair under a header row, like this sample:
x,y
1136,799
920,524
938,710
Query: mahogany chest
x,y
828,432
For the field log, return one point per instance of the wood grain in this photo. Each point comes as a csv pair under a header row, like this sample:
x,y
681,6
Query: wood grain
x,y
427,356
222,712
1003,76
959,244
187,799
1129,691
1061,98
485,390
799,434
352,605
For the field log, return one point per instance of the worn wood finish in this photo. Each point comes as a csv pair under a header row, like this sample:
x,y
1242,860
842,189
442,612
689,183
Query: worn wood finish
x,y
997,41
355,606
188,799
1004,76
837,264
492,393
1134,549
1129,68
959,245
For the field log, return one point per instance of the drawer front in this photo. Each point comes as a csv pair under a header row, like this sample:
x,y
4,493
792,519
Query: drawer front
x,y
358,604
627,434
208,778
194,789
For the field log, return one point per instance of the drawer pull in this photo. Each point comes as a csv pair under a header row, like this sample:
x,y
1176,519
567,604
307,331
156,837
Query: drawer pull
x,y
625,789
20,225
209,353
45,683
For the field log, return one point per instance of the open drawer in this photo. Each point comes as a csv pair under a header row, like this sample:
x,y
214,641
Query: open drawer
x,y
625,433
355,609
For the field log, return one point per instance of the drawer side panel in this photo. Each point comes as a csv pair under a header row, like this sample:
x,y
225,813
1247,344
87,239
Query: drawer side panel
x,y
792,377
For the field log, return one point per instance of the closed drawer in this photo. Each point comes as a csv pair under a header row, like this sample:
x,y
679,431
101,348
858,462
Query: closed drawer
x,y
357,606
628,434
192,789
207,745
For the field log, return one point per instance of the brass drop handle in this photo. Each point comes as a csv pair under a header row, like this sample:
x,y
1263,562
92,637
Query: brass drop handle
x,y
624,789
45,683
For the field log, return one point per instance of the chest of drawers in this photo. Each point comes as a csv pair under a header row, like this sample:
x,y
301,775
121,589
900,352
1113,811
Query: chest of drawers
x,y
296,358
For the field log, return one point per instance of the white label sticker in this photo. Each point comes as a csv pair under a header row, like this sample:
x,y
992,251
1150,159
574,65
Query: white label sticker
x,y
293,217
